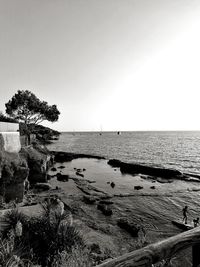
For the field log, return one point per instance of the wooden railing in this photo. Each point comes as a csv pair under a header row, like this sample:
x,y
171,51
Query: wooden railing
x,y
156,252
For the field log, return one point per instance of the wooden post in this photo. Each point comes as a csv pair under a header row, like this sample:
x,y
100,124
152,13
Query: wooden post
x,y
196,255
156,252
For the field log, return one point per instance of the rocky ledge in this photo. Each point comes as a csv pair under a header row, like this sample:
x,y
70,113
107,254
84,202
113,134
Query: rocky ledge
x,y
60,156
18,170
132,168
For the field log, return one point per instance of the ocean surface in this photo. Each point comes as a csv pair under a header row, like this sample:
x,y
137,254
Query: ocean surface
x,y
179,150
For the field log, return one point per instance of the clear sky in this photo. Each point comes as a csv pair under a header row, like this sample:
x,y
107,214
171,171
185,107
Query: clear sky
x,y
115,64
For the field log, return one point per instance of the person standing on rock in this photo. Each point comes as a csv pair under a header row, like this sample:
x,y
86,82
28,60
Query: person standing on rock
x,y
185,212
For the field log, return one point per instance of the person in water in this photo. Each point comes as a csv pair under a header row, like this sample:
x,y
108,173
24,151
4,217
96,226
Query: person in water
x,y
185,212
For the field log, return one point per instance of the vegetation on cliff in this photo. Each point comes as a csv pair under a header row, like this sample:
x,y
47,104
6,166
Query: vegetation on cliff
x,y
43,134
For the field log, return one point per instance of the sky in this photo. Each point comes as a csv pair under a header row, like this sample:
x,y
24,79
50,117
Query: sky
x,y
115,65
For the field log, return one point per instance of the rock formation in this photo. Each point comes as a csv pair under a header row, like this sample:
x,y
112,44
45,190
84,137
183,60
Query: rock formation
x,y
132,168
38,160
13,172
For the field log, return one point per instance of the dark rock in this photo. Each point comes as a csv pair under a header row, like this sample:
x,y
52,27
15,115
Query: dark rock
x,y
53,169
79,174
91,181
128,226
74,168
104,209
131,168
115,169
62,177
42,186
78,170
38,160
66,156
84,169
112,184
108,182
61,167
115,163
89,199
153,187
138,187
163,181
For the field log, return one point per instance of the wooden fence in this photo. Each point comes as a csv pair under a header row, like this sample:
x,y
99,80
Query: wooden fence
x,y
156,252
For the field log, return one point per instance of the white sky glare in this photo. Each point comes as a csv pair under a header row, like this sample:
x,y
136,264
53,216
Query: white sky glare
x,y
119,64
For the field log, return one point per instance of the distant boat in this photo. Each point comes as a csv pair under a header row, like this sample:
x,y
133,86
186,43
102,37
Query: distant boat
x,y
118,133
100,131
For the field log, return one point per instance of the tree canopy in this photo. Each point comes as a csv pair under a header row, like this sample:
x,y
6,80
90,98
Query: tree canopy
x,y
4,118
25,107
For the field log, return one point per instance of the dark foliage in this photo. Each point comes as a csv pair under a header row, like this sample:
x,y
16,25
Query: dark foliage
x,y
27,108
4,118
43,134
44,237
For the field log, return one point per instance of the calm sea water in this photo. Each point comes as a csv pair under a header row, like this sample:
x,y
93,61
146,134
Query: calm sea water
x,y
179,150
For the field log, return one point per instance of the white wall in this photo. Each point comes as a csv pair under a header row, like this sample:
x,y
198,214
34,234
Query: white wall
x,y
9,127
11,141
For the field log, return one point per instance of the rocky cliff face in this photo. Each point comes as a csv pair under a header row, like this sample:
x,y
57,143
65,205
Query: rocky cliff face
x,y
31,163
37,158
13,172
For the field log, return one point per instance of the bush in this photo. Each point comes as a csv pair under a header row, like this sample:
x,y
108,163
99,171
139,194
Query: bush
x,y
44,238
9,255
77,258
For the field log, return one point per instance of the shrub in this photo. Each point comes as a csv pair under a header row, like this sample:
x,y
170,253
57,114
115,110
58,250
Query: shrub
x,y
44,237
78,257
9,255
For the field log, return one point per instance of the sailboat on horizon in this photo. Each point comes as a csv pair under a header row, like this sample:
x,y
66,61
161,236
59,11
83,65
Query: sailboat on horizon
x,y
100,133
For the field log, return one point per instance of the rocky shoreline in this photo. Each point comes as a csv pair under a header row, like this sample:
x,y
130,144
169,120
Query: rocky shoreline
x,y
115,223
60,156
119,223
129,168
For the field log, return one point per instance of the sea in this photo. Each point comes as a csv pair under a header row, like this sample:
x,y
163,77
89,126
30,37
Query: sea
x,y
170,149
